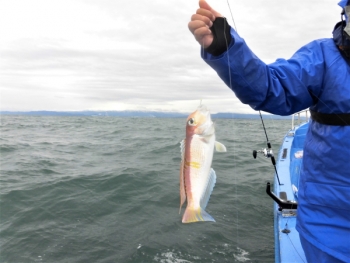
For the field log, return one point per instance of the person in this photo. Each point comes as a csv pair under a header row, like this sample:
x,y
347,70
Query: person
x,y
317,77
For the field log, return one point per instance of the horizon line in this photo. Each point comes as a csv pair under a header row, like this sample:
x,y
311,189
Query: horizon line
x,y
136,113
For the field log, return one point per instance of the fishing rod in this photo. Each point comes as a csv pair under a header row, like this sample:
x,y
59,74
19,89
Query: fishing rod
x,y
267,152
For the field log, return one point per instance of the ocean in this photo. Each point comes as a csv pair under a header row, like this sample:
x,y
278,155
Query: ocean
x,y
106,189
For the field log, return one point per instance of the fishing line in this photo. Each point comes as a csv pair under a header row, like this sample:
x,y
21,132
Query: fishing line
x,y
234,146
295,249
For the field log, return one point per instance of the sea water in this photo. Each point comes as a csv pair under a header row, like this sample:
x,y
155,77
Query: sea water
x,y
106,189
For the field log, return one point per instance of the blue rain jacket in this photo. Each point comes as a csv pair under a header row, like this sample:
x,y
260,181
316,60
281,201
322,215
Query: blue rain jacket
x,y
316,77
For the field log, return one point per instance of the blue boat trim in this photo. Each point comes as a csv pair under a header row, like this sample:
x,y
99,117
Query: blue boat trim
x,y
287,242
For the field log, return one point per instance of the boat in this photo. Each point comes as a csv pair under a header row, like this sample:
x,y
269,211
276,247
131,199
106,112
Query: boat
x,y
285,190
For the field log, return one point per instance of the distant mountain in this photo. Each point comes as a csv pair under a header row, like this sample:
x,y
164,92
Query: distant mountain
x,y
98,113
144,114
229,115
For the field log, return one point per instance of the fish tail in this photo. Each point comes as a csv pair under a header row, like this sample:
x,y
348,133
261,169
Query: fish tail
x,y
196,214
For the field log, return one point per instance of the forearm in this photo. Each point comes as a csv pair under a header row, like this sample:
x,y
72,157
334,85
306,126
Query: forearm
x,y
274,88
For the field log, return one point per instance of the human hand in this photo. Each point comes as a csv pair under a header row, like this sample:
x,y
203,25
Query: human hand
x,y
200,23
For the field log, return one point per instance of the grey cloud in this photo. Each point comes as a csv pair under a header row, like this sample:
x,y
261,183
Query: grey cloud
x,y
151,58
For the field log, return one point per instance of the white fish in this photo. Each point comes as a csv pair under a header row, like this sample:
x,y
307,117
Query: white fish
x,y
197,178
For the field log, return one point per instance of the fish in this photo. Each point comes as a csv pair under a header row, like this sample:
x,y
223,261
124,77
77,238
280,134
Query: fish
x,y
197,178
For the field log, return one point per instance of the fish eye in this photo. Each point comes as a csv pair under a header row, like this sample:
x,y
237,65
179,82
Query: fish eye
x,y
191,122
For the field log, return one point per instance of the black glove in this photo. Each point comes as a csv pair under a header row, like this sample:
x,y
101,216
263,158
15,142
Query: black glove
x,y
222,37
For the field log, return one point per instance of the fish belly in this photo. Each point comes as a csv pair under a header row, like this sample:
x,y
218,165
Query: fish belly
x,y
199,178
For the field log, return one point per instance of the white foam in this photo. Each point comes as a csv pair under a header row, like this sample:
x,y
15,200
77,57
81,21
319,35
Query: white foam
x,y
241,256
170,257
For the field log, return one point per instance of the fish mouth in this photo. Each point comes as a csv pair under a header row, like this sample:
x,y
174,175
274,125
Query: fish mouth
x,y
207,127
204,111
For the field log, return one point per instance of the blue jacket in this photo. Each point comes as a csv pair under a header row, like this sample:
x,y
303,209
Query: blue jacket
x,y
316,77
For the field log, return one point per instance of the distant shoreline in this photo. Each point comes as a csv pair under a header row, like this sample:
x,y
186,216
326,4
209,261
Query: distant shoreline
x,y
143,114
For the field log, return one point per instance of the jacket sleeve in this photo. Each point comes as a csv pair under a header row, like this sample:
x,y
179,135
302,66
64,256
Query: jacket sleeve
x,y
283,87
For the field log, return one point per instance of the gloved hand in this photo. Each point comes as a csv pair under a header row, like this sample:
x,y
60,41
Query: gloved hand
x,y
200,23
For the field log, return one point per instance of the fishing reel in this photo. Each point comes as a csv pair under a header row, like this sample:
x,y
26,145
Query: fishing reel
x,y
268,153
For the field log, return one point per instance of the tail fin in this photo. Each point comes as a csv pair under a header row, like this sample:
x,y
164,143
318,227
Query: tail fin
x,y
195,215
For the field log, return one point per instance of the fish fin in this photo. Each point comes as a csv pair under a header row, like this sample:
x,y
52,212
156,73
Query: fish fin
x,y
209,189
195,215
219,147
182,187
182,176
182,147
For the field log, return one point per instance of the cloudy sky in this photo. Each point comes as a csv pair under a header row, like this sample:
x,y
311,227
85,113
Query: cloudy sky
x,y
137,54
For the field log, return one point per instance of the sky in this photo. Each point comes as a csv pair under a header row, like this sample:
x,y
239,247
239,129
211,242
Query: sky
x,y
72,55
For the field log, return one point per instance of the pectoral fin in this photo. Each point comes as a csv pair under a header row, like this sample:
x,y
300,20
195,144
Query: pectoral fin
x,y
219,147
182,175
